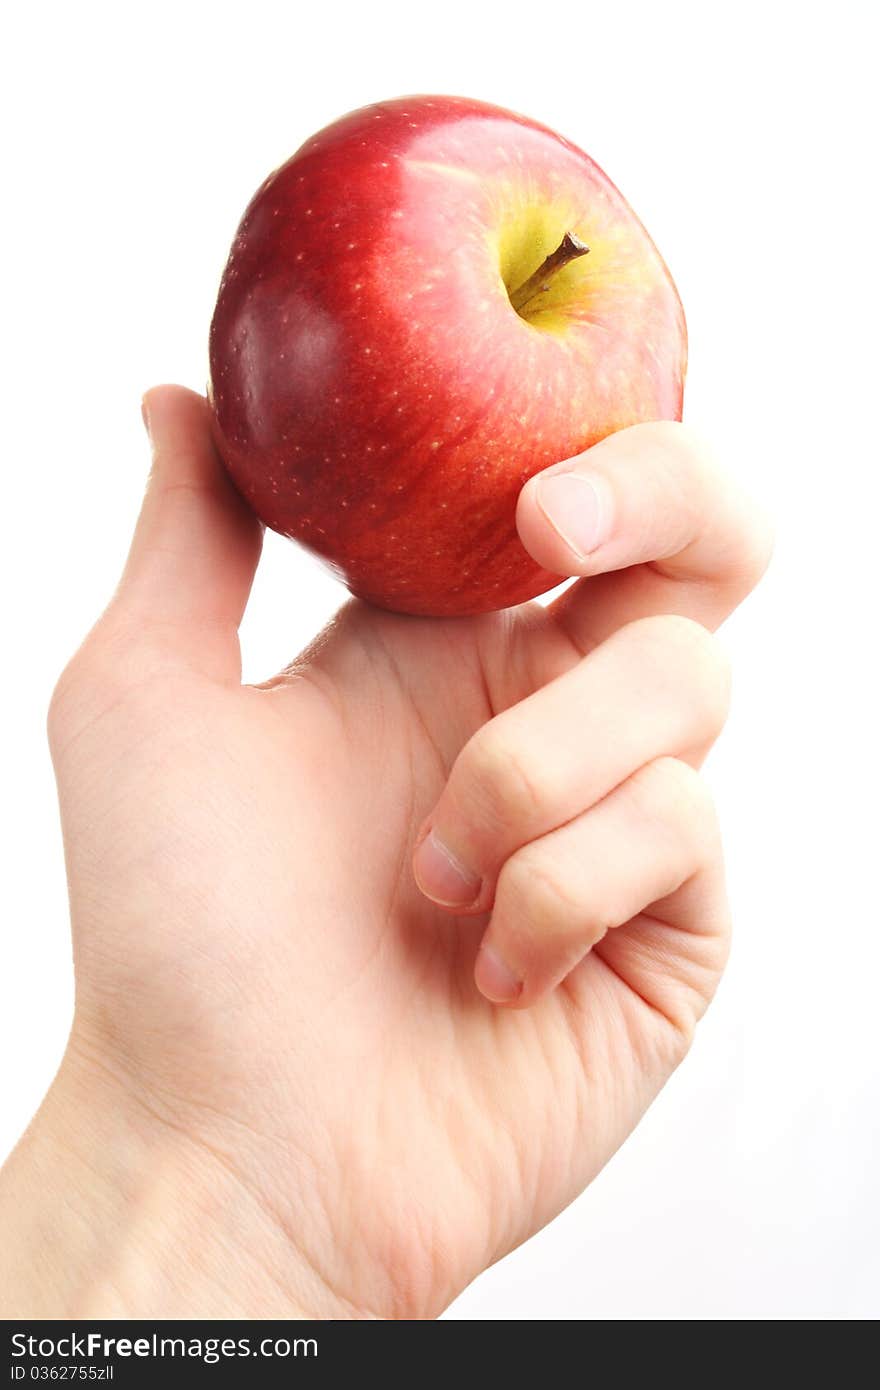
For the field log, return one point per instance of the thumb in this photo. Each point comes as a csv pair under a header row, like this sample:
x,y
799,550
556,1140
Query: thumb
x,y
196,544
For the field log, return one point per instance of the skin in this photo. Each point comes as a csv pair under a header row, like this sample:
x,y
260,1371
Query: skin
x,y
285,1093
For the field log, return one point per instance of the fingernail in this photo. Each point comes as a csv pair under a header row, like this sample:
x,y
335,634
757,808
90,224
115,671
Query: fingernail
x,y
442,877
494,977
576,509
145,416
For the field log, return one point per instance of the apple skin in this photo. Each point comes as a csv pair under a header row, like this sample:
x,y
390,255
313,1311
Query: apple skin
x,y
376,396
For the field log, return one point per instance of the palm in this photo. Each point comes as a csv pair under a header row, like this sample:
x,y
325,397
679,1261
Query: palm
x,y
294,807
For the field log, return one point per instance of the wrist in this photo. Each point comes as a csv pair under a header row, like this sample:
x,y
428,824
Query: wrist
x,y
109,1211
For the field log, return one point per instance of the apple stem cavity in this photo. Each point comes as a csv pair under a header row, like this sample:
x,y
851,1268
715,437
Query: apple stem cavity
x,y
569,249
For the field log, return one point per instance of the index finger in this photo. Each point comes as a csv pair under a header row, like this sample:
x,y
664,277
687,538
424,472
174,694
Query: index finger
x,y
651,524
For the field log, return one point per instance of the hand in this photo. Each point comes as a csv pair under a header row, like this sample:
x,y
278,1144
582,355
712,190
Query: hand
x,y
286,1090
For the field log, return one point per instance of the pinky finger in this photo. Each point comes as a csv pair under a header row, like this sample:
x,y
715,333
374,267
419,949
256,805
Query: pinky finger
x,y
559,895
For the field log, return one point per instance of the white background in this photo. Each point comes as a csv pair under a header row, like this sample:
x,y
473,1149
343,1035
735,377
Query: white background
x,y
135,135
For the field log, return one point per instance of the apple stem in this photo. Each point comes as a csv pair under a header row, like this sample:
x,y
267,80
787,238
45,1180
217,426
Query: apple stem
x,y
569,248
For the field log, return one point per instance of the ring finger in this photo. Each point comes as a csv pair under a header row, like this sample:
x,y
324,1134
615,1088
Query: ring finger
x,y
658,686
560,895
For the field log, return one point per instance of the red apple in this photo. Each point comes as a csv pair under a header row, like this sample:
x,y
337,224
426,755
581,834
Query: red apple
x,y
376,394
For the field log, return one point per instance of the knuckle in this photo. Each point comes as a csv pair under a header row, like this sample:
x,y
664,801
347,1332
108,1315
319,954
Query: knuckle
x,y
78,695
757,549
684,447
746,547
672,794
695,475
674,632
66,686
683,654
498,782
692,445
542,900
709,681
76,698
113,669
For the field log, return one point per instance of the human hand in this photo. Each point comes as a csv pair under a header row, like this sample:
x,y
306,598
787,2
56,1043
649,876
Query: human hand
x,y
284,1091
